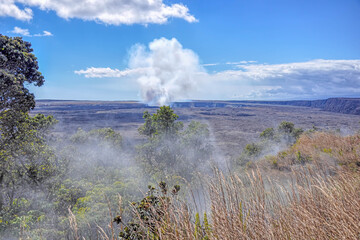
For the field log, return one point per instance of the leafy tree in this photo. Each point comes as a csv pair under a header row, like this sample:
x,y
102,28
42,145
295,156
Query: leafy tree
x,y
29,169
28,164
252,149
168,149
286,127
289,131
163,123
148,129
147,213
18,65
268,134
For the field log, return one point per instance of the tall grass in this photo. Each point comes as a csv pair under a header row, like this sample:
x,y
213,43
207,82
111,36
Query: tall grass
x,y
321,148
313,206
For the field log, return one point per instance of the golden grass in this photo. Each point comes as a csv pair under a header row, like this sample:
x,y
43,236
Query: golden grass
x,y
312,207
319,148
319,200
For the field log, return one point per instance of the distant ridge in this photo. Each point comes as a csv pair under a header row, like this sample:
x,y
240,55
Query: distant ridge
x,y
338,105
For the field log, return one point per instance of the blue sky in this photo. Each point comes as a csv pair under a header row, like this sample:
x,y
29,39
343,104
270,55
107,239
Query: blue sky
x,y
159,51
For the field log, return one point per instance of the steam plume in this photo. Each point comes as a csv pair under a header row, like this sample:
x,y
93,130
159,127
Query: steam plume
x,y
169,70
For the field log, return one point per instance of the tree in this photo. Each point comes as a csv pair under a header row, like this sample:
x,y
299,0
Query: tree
x,y
148,214
27,163
18,65
163,123
169,150
29,170
286,127
288,130
268,134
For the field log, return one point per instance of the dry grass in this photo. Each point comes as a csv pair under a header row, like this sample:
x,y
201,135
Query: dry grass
x,y
73,225
319,148
319,200
344,150
312,207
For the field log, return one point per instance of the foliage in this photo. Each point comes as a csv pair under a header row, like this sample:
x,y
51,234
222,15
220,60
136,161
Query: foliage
x,y
148,212
252,149
161,123
28,165
29,168
101,150
99,169
288,130
98,137
268,133
172,151
18,65
283,136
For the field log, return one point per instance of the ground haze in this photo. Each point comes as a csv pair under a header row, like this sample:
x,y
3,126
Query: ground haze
x,y
232,124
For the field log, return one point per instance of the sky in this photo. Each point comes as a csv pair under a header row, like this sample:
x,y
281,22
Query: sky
x,y
159,51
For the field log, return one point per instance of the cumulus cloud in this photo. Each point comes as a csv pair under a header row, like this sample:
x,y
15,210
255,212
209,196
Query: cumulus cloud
x,y
115,12
167,72
311,79
25,32
8,8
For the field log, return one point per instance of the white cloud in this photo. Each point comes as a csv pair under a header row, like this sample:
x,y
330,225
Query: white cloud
x,y
210,64
240,62
25,32
21,31
312,79
93,72
167,72
115,12
332,70
8,8
44,34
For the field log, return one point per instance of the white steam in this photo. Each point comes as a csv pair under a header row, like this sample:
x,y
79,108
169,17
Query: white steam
x,y
169,71
165,71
